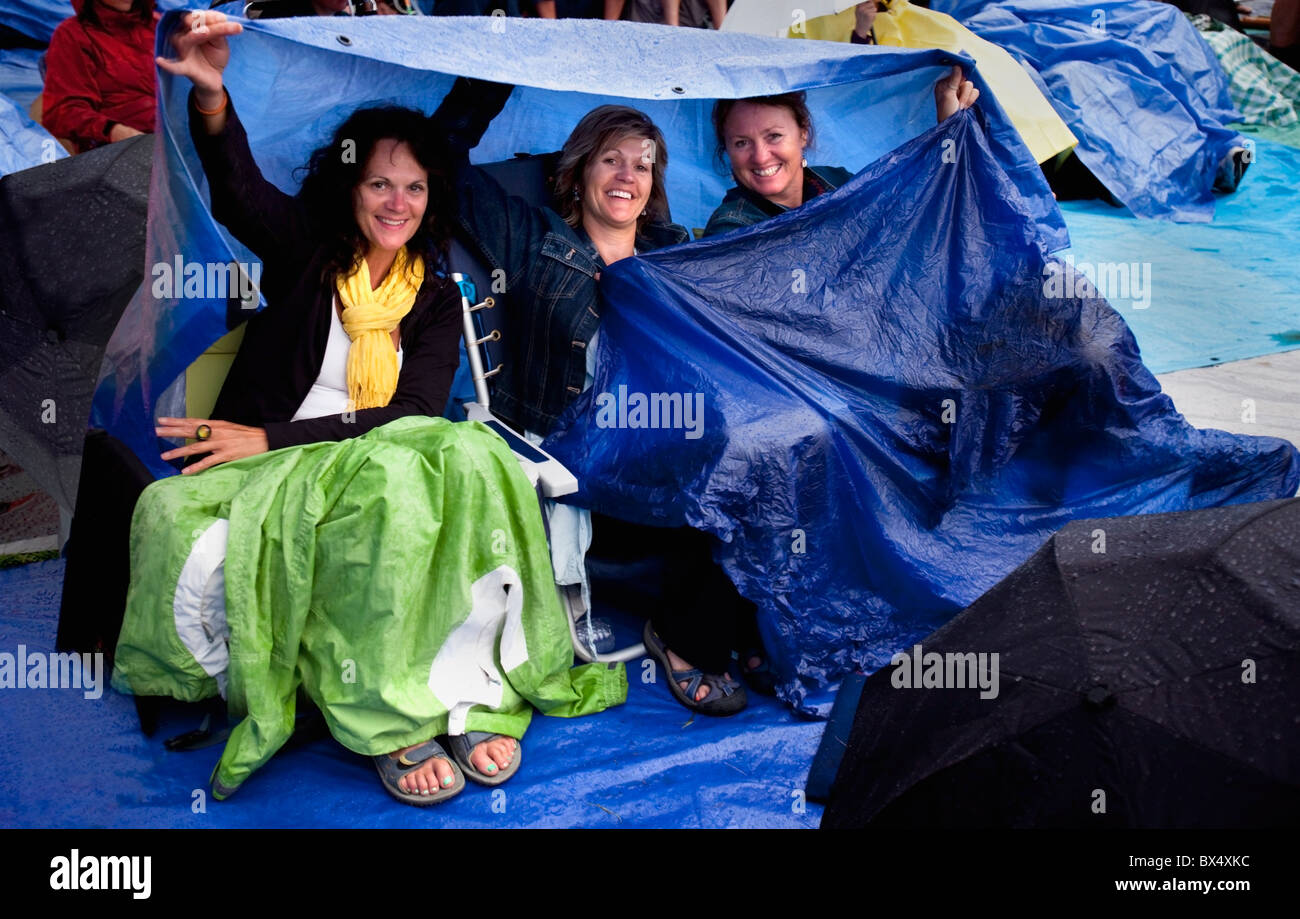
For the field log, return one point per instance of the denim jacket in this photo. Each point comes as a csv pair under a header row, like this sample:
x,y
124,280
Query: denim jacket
x,y
550,269
743,208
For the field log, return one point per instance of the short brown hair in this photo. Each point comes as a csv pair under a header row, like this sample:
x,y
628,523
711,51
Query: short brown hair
x,y
795,103
599,130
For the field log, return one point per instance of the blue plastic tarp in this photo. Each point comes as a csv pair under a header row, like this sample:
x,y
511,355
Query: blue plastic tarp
x,y
1136,83
1211,293
24,143
890,399
865,102
20,75
643,764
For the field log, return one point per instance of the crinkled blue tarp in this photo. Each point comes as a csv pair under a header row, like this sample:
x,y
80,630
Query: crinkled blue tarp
x,y
294,80
1137,85
20,75
39,18
898,407
24,143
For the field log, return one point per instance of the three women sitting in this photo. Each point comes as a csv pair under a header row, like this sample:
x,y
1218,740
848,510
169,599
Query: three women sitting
x,y
376,253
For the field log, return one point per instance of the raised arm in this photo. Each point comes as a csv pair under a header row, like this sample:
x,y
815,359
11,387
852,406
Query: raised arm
x,y
256,212
954,93
502,227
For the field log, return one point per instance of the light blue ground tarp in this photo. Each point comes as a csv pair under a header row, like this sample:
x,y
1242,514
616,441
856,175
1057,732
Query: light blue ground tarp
x,y
1137,85
20,75
1213,292
865,103
24,143
896,399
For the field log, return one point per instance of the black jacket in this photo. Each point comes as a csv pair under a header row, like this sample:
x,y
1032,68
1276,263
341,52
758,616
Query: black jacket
x,y
284,345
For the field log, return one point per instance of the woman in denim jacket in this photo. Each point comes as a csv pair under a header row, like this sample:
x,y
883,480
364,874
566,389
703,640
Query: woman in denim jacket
x,y
550,261
610,203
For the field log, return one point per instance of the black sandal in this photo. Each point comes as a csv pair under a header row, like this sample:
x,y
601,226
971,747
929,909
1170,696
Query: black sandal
x,y
726,696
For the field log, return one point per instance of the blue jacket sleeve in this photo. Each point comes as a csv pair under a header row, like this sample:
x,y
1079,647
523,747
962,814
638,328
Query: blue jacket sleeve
x,y
503,228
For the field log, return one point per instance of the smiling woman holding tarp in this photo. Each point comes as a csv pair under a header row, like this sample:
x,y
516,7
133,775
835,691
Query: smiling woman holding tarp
x,y
334,534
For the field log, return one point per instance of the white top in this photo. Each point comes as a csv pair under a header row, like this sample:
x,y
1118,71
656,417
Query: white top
x,y
329,394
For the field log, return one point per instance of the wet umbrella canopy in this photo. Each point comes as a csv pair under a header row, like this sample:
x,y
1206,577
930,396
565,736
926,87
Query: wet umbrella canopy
x,y
71,256
1147,675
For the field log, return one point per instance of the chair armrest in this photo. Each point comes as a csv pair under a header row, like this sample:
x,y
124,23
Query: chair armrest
x,y
556,481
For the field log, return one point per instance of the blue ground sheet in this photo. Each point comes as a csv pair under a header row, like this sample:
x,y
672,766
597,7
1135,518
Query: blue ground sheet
x,y
69,761
1221,291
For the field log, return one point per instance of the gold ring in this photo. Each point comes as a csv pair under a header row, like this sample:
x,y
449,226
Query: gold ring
x,y
202,432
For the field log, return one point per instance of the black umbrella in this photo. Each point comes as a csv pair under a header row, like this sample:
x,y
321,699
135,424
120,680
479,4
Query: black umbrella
x,y
1147,676
71,256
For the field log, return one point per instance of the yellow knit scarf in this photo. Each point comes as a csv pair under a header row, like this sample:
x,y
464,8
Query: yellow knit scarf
x,y
369,317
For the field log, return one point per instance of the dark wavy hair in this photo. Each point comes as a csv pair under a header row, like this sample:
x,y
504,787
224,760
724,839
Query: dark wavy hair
x,y
142,9
795,103
599,130
335,170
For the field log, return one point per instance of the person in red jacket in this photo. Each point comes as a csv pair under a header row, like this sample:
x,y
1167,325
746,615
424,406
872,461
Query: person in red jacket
x,y
99,73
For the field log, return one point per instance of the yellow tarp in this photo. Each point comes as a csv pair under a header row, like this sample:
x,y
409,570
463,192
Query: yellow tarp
x,y
906,26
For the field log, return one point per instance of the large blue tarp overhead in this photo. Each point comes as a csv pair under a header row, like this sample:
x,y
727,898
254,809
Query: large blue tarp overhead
x,y
24,143
889,400
1137,85
294,80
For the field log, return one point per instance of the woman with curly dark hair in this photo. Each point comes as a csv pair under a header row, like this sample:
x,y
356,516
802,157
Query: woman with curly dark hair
x,y
361,327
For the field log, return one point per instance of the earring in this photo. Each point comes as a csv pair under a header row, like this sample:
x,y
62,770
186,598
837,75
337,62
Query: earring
x,y
642,212
577,195
805,162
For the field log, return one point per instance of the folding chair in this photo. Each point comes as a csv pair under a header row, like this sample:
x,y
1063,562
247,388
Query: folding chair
x,y
526,177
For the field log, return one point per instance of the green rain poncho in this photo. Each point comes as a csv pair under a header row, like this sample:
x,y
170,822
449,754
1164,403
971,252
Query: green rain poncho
x,y
402,577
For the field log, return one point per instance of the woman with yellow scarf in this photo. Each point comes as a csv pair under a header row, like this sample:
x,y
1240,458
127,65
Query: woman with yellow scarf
x,y
360,329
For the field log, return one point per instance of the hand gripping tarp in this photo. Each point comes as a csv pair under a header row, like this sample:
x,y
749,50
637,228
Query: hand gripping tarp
x,y
295,80
401,619
1137,85
890,399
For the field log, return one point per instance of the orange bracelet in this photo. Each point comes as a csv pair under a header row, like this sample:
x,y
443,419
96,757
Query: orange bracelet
x,y
225,98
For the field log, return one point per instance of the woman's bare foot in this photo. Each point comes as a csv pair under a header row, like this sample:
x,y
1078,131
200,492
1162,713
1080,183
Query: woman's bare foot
x,y
678,665
708,694
493,756
433,774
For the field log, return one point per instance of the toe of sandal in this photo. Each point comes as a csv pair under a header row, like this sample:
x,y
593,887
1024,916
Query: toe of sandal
x,y
392,770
